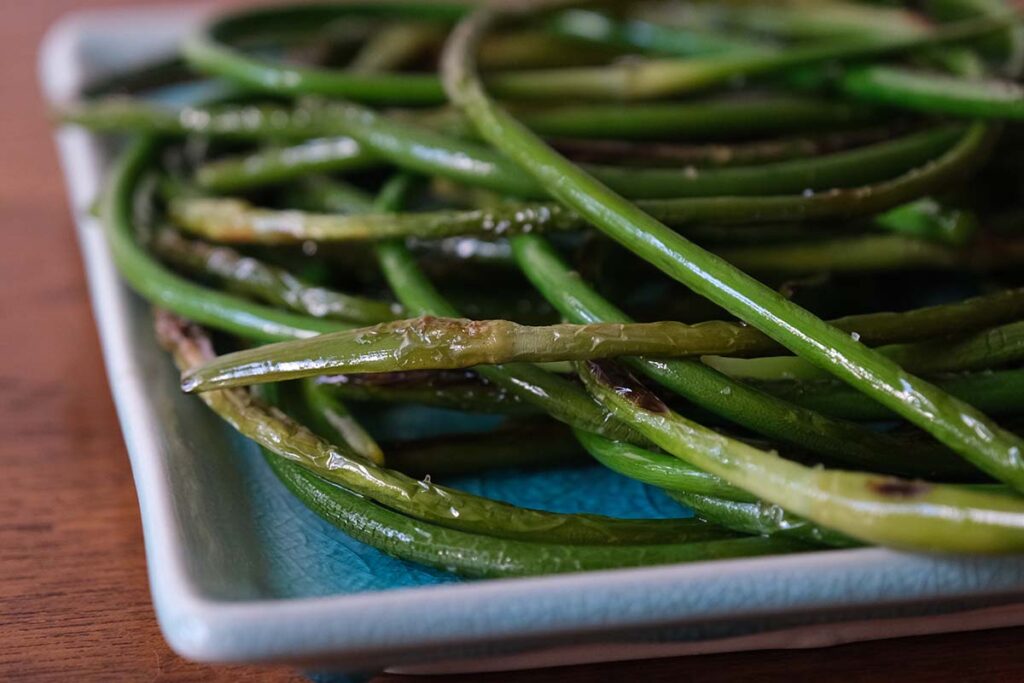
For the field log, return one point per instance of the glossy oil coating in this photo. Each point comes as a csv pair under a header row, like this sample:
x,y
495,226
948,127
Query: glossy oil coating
x,y
897,512
276,431
964,429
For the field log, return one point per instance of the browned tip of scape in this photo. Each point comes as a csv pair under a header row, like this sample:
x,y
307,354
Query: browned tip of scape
x,y
624,384
182,338
891,487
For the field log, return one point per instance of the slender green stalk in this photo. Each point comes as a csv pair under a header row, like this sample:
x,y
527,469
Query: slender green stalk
x,y
208,52
485,556
649,153
307,121
515,218
725,397
927,219
792,19
965,430
396,45
552,394
331,419
518,443
246,122
935,93
574,299
1007,47
658,469
463,391
674,41
714,118
237,221
274,430
996,393
273,285
990,348
156,283
761,519
341,154
659,78
429,343
887,85
914,515
709,496
278,165
869,253
426,151
322,193
531,48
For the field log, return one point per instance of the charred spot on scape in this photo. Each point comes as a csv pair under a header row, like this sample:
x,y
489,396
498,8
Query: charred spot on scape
x,y
626,385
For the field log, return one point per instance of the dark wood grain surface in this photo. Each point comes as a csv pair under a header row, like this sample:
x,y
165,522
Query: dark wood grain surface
x,y
74,603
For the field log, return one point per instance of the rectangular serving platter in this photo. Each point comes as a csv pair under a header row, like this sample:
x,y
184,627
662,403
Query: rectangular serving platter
x,y
240,572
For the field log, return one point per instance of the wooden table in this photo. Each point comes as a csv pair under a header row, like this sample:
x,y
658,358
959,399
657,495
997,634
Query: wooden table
x,y
74,602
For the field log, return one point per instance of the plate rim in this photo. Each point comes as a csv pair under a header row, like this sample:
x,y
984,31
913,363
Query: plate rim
x,y
210,630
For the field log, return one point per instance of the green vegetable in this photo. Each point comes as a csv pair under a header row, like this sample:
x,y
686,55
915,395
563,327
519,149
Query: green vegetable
x,y
488,557
933,92
902,513
987,349
510,445
812,143
276,286
164,288
331,419
892,86
274,430
718,393
429,343
961,427
209,52
426,151
999,392
455,391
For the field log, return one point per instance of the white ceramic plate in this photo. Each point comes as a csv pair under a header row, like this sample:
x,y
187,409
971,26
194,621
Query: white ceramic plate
x,y
241,573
